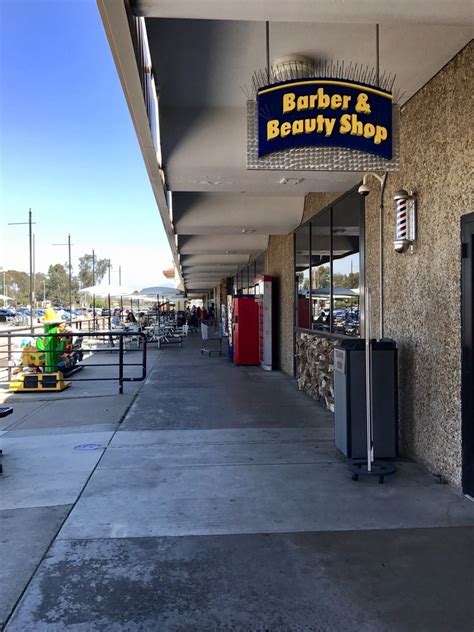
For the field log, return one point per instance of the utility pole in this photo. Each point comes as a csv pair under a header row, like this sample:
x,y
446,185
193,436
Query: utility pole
x,y
120,283
4,288
30,241
93,284
34,269
110,266
70,275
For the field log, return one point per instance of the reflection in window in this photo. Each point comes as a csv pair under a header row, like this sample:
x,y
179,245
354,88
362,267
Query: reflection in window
x,y
260,264
328,300
345,279
321,270
251,278
302,268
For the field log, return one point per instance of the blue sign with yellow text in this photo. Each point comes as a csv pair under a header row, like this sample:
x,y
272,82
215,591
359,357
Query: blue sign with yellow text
x,y
327,113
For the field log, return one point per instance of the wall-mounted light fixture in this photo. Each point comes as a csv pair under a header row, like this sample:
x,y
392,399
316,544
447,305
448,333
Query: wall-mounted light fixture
x,y
405,204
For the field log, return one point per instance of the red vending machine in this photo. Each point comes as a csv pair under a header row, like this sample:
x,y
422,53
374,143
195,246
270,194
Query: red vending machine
x,y
245,330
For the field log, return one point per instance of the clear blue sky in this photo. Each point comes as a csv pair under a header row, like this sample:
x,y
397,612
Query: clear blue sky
x,y
67,144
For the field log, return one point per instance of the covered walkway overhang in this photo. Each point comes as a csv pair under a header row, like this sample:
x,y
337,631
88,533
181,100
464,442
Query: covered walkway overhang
x,y
197,61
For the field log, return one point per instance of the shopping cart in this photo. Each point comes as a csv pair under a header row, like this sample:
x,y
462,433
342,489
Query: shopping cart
x,y
211,339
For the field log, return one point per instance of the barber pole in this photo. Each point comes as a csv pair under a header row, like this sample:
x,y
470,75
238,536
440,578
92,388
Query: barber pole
x,y
401,219
404,204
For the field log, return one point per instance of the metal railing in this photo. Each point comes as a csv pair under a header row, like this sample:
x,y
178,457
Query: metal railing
x,y
111,341
89,324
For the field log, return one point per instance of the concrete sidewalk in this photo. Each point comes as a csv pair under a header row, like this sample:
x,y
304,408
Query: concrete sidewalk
x,y
221,503
51,444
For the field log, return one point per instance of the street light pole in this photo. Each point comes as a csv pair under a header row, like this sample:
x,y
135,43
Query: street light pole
x,y
34,269
4,288
70,275
30,240
93,284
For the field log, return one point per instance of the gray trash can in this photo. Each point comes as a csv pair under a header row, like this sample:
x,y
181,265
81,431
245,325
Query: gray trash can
x,y
350,399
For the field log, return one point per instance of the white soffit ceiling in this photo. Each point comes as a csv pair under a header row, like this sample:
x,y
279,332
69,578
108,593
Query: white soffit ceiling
x,y
201,67
357,11
222,244
208,213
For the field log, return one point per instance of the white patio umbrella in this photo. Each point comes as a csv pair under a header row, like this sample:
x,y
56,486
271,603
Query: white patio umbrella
x,y
107,290
138,298
163,290
145,299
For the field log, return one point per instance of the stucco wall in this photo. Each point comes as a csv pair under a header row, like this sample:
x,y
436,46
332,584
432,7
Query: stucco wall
x,y
279,263
315,202
422,290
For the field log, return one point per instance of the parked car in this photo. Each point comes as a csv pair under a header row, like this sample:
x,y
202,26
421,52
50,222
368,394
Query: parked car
x,y
6,314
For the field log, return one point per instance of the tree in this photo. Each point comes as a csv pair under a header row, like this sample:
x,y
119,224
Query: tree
x,y
57,285
350,281
321,276
85,270
17,286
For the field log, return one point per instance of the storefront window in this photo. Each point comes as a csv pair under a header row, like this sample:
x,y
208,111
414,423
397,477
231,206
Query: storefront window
x,y
321,270
302,269
251,277
245,280
345,267
328,268
260,264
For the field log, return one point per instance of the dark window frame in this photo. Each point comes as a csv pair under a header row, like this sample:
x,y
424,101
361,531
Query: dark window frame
x,y
330,208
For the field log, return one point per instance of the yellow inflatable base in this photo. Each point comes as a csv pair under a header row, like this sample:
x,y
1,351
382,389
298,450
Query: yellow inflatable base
x,y
39,383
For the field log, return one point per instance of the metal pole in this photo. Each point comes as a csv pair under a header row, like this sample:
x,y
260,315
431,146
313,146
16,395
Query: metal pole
x,y
267,48
70,278
30,223
120,283
110,265
34,268
32,296
377,52
368,379
381,258
69,275
121,364
93,283
9,355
